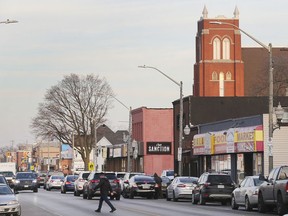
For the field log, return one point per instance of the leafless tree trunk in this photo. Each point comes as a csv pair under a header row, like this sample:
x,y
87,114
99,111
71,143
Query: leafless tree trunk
x,y
75,105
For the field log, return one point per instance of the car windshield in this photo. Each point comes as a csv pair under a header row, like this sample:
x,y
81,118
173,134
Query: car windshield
x,y
108,175
257,182
4,190
170,173
72,178
187,180
7,174
143,178
165,180
120,175
220,179
85,175
25,176
57,177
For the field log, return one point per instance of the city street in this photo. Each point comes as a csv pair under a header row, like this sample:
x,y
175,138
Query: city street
x,y
53,203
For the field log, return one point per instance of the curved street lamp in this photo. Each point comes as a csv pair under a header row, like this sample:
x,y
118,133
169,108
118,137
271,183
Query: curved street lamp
x,y
8,21
180,84
269,49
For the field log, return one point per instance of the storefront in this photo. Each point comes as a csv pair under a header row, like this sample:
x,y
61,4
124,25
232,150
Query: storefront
x,y
236,151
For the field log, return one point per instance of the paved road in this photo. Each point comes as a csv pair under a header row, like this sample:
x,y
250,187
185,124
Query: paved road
x,y
53,203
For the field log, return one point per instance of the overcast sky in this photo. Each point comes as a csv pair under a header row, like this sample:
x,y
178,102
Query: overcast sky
x,y
112,38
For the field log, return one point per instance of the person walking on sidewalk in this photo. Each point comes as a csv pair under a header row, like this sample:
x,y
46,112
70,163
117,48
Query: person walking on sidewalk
x,y
105,189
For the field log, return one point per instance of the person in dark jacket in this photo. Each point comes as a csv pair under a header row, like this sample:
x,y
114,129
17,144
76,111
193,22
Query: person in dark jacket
x,y
105,189
158,190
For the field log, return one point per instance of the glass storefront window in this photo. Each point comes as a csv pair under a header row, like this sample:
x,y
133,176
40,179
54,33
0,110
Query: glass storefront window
x,y
221,163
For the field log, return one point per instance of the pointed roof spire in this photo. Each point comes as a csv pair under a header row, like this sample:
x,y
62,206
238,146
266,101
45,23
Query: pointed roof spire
x,y
236,13
205,12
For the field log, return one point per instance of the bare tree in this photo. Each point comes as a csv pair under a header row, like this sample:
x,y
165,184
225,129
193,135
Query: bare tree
x,y
75,105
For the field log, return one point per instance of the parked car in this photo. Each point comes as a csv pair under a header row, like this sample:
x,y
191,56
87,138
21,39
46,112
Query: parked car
x,y
9,175
180,188
247,193
165,183
140,185
9,202
273,192
41,178
126,177
25,181
94,179
54,182
68,183
120,176
48,174
168,173
213,187
79,182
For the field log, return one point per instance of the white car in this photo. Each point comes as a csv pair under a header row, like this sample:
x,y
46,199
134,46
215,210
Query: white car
x,y
79,182
168,173
54,182
9,202
247,193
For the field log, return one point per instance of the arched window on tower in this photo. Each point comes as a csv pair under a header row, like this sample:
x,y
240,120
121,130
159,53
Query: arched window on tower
x,y
221,84
216,48
214,76
228,76
226,48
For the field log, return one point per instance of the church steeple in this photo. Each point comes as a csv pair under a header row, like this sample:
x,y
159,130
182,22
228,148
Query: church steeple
x,y
236,13
205,12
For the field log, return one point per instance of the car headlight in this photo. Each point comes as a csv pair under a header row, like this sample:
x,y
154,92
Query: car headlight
x,y
17,181
13,202
35,181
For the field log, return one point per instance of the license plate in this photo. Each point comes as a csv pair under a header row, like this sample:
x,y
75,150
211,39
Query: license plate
x,y
26,186
220,186
146,186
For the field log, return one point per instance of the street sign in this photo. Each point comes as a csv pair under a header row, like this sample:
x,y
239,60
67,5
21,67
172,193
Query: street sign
x,y
91,166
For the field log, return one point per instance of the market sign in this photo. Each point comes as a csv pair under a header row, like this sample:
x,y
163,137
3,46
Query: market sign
x,y
158,147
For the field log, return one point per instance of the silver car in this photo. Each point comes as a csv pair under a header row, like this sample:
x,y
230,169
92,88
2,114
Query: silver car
x,y
9,202
54,182
180,188
247,193
78,184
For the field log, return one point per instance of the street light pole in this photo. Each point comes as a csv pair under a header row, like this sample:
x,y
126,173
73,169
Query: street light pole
x,y
180,117
269,49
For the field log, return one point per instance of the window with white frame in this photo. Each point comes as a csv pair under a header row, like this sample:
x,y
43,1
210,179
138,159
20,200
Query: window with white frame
x,y
226,48
216,48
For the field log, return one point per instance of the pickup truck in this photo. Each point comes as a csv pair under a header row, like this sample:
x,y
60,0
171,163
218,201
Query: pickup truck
x,y
274,191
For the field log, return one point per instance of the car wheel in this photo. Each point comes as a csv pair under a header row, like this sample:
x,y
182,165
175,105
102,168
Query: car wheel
x,y
194,201
64,191
118,197
233,203
35,190
248,206
76,192
167,197
89,196
131,195
202,200
281,207
174,197
261,204
15,191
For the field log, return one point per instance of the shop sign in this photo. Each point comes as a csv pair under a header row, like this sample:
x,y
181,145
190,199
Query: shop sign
x,y
220,143
230,141
198,144
245,139
158,147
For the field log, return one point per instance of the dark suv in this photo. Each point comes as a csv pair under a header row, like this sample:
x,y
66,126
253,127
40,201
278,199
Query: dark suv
x,y
25,181
213,187
94,179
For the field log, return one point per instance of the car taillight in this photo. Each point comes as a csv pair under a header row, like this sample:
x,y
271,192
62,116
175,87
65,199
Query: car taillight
x,y
81,180
116,181
206,184
94,181
52,181
68,182
157,185
181,185
287,187
135,185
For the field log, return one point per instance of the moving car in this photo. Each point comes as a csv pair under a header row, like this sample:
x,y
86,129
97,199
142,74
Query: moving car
x,y
126,178
54,182
48,174
213,187
9,202
140,185
247,193
68,183
180,188
41,178
79,182
94,179
25,181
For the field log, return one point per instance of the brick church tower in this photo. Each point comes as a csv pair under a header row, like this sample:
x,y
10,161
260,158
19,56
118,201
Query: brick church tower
x,y
219,69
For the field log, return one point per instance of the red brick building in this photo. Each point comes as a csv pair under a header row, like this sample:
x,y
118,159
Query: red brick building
x,y
219,69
